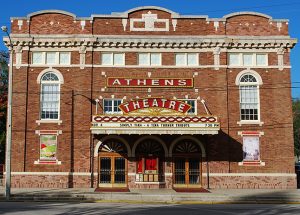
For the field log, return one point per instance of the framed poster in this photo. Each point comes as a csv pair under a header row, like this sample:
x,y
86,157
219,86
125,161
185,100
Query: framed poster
x,y
48,147
251,148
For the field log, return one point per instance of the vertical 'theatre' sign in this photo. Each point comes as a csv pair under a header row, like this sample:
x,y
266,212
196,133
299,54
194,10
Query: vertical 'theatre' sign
x,y
150,82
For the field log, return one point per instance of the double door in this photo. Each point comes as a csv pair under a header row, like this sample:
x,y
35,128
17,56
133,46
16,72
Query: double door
x,y
112,170
187,172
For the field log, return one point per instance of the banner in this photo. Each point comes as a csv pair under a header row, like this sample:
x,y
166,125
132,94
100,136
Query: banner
x,y
48,147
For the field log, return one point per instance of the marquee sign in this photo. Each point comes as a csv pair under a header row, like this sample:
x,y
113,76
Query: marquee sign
x,y
154,116
175,105
150,82
103,124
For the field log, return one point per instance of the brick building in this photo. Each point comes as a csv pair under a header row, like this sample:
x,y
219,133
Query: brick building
x,y
149,98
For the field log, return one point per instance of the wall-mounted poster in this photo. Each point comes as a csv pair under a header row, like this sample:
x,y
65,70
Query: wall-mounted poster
x,y
251,148
48,147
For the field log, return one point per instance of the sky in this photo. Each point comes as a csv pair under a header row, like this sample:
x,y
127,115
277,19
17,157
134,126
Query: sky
x,y
278,9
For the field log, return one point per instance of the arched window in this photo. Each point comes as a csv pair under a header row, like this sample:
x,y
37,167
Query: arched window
x,y
50,96
249,97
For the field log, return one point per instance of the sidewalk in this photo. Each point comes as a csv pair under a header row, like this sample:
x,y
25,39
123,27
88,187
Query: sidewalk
x,y
156,196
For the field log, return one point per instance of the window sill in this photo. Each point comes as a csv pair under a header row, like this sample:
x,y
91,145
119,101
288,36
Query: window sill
x,y
245,122
53,162
252,163
48,121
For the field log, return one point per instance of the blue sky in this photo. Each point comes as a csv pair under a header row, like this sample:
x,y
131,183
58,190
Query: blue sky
x,y
288,9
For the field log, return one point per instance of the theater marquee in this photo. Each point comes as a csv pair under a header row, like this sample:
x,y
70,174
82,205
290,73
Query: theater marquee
x,y
150,82
155,116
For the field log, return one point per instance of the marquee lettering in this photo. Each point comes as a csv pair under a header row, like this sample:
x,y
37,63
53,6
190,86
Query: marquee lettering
x,y
150,82
175,105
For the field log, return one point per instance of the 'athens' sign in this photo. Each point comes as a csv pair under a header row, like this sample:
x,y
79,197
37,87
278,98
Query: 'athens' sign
x,y
175,105
149,82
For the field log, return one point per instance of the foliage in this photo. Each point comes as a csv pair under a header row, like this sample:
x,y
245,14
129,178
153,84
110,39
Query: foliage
x,y
4,56
296,117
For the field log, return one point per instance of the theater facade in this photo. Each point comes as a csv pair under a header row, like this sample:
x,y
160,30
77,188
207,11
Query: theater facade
x,y
151,99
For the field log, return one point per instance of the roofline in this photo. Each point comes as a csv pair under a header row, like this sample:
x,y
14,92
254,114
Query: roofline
x,y
174,15
151,7
51,11
247,13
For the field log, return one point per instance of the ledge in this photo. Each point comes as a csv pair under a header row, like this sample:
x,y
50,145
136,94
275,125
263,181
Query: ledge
x,y
51,162
252,163
49,121
240,123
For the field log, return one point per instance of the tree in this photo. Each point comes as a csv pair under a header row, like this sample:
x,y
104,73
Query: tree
x,y
296,119
4,56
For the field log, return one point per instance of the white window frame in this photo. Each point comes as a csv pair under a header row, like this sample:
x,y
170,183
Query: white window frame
x,y
241,84
113,59
41,97
186,59
241,59
57,58
149,59
69,58
195,107
43,58
113,106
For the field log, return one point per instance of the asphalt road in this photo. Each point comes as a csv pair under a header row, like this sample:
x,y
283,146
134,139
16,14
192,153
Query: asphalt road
x,y
46,208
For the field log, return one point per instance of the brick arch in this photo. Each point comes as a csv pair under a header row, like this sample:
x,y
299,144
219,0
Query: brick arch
x,y
149,137
186,137
114,137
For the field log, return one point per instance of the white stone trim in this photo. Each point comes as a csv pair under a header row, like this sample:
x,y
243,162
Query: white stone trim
x,y
246,13
53,173
251,174
40,162
252,72
250,122
143,182
203,174
258,163
168,174
260,133
51,11
149,19
55,71
153,131
42,121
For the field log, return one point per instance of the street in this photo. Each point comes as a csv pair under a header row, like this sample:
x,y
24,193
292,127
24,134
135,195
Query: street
x,y
46,208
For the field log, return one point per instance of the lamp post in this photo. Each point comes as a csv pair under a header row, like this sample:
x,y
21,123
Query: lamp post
x,y
9,119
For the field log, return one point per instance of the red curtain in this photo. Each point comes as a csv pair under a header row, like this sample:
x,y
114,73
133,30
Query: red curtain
x,y
150,164
140,166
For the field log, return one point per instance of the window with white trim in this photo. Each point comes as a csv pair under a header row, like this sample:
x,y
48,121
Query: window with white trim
x,y
149,59
111,106
50,96
248,59
110,59
249,98
193,103
186,59
51,58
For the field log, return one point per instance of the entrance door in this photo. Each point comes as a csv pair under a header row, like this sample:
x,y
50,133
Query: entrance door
x,y
112,164
113,172
187,172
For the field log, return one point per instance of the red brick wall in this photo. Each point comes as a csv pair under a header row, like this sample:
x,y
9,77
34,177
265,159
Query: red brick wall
x,y
216,87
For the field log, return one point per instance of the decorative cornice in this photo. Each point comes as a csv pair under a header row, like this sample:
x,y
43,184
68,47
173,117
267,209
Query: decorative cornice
x,y
122,15
151,42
